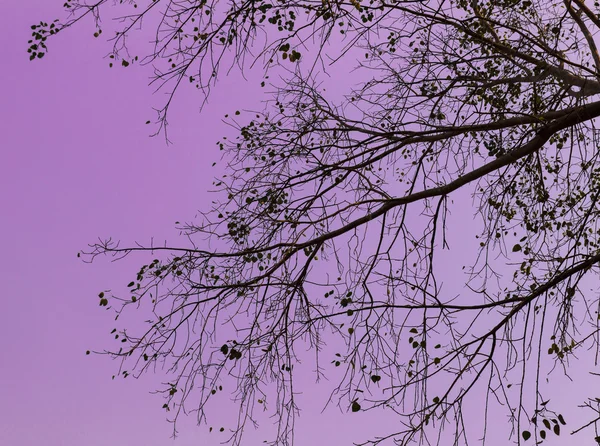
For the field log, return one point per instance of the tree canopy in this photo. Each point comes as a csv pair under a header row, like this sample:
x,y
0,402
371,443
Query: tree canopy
x,y
333,212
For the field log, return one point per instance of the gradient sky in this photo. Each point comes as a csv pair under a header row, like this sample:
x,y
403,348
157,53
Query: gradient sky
x,y
77,163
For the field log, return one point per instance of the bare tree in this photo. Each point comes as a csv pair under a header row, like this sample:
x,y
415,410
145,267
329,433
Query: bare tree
x,y
494,99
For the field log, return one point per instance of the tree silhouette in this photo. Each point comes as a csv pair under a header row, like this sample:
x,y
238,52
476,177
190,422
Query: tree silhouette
x,y
332,214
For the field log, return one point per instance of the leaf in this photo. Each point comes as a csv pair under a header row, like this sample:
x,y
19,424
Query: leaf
x,y
526,435
561,419
516,248
355,406
225,349
543,434
546,423
235,354
375,378
556,429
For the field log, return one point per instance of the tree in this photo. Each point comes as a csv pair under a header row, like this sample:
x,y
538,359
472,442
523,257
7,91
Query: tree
x,y
333,214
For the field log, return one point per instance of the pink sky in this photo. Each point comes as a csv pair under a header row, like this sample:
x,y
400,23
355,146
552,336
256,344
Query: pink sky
x,y
77,163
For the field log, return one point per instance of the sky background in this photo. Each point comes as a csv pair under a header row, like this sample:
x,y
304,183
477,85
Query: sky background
x,y
77,163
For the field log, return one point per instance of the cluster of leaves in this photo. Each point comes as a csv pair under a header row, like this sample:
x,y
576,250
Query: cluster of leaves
x,y
40,33
552,425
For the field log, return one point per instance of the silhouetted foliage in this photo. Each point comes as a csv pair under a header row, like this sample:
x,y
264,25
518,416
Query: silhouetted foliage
x,y
332,215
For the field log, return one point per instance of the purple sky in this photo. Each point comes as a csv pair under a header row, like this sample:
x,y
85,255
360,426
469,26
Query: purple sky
x,y
77,163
